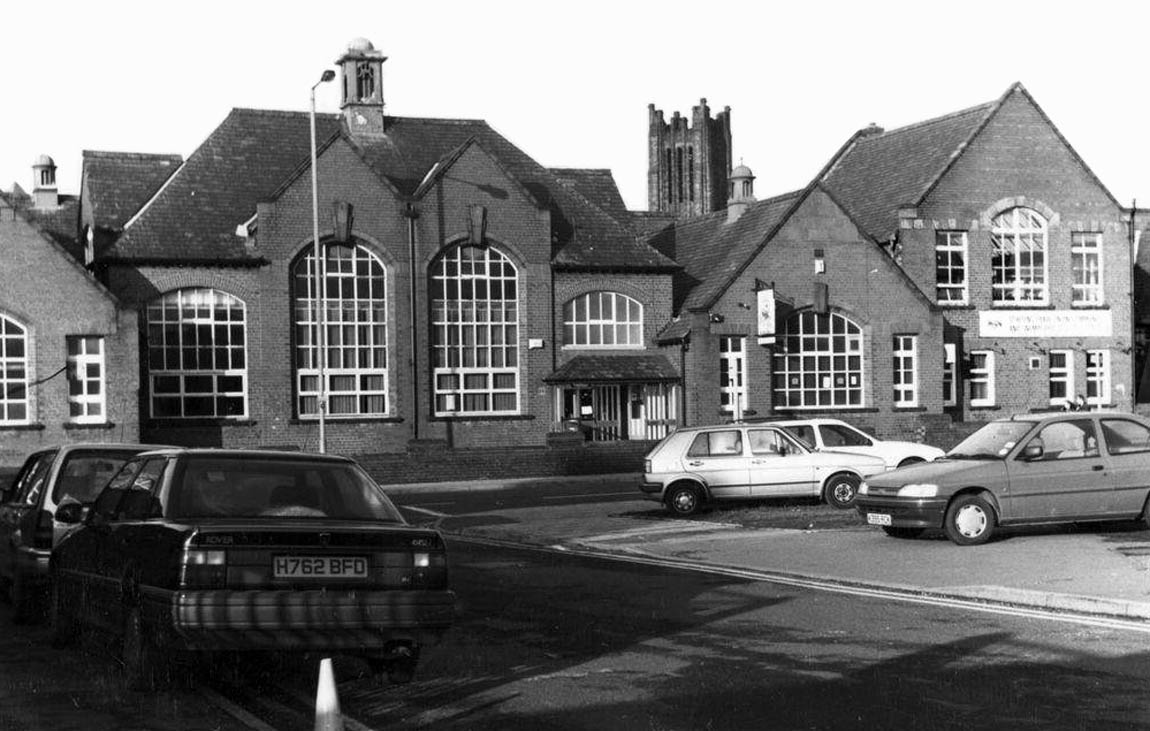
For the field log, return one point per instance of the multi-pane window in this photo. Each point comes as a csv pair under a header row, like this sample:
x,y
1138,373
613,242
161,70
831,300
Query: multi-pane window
x,y
818,362
950,250
732,373
1098,377
1061,377
1018,258
364,81
14,408
475,332
1086,268
355,330
197,359
603,320
982,378
87,401
905,366
949,374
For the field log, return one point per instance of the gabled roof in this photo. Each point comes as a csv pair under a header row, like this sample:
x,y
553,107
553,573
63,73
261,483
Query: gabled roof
x,y
61,224
194,215
878,172
597,186
253,153
117,184
712,251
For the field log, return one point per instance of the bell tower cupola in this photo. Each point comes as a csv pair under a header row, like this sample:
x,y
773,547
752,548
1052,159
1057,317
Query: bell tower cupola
x,y
361,100
44,192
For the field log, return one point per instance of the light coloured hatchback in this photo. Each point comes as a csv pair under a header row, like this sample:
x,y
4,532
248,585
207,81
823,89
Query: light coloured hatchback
x,y
696,465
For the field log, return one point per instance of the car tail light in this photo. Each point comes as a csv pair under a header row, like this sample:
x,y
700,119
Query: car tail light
x,y
647,466
429,570
204,568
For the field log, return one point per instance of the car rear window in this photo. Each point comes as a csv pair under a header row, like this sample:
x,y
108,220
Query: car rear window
x,y
268,487
84,474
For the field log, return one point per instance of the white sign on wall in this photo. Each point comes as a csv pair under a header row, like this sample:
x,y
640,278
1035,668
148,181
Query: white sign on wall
x,y
1045,324
766,303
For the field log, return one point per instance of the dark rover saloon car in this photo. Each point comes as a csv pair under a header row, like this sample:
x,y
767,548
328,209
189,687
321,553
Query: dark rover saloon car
x,y
207,550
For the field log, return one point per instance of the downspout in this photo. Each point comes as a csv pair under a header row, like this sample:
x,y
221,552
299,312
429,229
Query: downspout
x,y
411,213
556,404
683,375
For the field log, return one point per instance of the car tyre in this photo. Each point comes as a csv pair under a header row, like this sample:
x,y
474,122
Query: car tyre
x,y
143,666
841,490
65,629
970,520
684,499
895,531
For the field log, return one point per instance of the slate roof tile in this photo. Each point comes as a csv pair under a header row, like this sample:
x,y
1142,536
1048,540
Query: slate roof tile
x,y
614,368
117,184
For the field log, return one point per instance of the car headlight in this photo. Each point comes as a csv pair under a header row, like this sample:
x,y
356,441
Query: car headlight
x,y
918,490
863,488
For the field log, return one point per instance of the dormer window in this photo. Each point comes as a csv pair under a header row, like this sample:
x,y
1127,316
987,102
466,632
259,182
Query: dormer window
x,y
364,81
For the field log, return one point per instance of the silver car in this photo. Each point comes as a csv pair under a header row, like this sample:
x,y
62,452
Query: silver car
x,y
696,465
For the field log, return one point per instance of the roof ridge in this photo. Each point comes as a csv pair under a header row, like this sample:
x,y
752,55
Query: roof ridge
x,y
984,107
580,170
119,154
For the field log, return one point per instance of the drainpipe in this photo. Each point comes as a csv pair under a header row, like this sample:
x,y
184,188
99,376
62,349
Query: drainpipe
x,y
683,376
412,213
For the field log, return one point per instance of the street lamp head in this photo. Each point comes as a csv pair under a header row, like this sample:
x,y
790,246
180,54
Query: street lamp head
x,y
328,75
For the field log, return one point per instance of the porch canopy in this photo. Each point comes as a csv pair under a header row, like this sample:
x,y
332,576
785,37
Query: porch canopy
x,y
642,368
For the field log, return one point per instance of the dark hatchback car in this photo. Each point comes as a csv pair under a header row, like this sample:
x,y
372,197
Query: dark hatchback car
x,y
224,550
1026,470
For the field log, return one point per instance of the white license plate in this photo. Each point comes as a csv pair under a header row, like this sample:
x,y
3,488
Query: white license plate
x,y
319,567
878,518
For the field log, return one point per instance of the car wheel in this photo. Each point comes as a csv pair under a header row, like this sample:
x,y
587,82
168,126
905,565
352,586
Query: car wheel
x,y
841,490
683,499
143,666
910,460
64,627
895,531
970,520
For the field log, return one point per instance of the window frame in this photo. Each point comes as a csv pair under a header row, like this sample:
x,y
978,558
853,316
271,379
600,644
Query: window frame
x,y
577,320
904,364
80,391
732,361
1093,294
984,376
950,374
1007,240
221,301
944,245
1098,377
784,360
15,389
1063,375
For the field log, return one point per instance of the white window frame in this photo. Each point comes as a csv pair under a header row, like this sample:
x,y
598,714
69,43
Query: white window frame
x,y
14,375
952,244
356,345
732,367
800,378
468,330
1063,375
87,380
1098,377
949,374
617,315
982,375
1017,233
198,307
1086,276
905,371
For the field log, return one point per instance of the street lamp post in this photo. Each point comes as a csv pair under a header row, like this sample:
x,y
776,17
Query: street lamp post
x,y
320,325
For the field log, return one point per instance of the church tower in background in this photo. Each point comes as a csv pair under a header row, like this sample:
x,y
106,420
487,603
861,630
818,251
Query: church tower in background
x,y
688,163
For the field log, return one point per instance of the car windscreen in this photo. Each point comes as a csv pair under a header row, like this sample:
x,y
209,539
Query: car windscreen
x,y
993,440
218,486
84,473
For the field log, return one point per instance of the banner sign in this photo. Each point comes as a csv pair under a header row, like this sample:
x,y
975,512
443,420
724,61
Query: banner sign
x,y
1045,324
766,305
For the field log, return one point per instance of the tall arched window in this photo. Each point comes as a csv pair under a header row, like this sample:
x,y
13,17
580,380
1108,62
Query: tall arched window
x,y
13,372
818,362
197,358
602,319
1018,257
355,322
475,332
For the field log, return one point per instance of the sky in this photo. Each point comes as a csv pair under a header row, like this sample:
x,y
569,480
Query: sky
x,y
569,82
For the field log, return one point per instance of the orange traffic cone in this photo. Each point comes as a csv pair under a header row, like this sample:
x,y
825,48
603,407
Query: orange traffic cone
x,y
327,715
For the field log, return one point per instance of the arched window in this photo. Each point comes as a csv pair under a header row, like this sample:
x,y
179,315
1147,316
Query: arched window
x,y
475,332
364,81
818,362
355,322
197,359
1018,257
602,319
13,372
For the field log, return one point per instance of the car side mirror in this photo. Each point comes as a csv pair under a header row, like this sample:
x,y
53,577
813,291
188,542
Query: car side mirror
x,y
71,513
1034,450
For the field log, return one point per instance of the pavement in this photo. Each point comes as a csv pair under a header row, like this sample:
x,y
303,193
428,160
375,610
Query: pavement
x,y
1100,571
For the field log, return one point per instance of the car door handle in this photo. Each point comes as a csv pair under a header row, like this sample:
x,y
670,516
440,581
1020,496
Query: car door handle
x,y
1098,467
696,463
